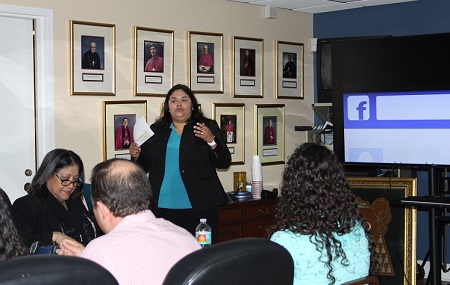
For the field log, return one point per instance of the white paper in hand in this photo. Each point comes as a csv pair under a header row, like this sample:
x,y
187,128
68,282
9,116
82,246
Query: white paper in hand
x,y
142,131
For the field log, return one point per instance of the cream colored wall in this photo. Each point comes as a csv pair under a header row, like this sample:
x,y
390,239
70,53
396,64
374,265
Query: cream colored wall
x,y
79,118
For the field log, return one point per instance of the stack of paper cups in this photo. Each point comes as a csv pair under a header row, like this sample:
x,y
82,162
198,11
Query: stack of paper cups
x,y
257,181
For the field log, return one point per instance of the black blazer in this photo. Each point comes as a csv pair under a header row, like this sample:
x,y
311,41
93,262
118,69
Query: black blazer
x,y
198,163
36,219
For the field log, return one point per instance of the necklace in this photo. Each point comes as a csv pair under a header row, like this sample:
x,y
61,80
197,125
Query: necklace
x,y
91,62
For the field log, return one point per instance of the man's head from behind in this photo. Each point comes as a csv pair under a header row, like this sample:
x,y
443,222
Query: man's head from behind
x,y
121,186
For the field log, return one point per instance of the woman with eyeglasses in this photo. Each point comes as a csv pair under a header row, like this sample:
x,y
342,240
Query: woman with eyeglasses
x,y
53,209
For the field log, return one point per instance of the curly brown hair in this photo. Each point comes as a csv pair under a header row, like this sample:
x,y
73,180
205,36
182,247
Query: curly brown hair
x,y
11,243
316,201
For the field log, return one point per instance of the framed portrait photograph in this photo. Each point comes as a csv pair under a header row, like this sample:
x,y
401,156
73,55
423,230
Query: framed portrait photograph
x,y
248,61
153,61
119,118
269,133
93,56
205,62
393,228
289,70
231,120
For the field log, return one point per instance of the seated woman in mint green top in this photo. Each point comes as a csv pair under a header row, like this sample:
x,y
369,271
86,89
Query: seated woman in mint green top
x,y
318,220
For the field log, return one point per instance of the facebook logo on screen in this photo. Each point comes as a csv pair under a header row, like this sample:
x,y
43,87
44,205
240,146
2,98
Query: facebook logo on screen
x,y
358,108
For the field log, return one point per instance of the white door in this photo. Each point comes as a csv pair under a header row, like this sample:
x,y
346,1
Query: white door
x,y
27,109
17,130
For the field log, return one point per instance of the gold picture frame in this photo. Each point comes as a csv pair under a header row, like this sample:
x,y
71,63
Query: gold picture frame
x,y
114,114
289,70
393,228
231,120
153,61
248,67
205,53
93,58
270,133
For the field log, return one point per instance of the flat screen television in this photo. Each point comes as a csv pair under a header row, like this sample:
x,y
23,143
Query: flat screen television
x,y
397,127
391,101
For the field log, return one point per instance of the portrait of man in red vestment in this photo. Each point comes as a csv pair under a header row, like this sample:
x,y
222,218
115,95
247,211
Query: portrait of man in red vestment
x,y
153,56
247,62
270,132
228,127
124,124
205,57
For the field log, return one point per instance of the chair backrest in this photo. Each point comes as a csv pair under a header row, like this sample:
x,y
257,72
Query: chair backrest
x,y
53,269
87,197
240,261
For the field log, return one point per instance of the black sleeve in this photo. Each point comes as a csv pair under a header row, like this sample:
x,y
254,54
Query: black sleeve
x,y
28,216
221,156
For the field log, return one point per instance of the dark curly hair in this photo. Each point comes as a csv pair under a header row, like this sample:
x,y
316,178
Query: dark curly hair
x,y
165,120
11,244
317,202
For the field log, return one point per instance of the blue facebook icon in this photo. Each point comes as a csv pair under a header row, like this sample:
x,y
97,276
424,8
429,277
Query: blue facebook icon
x,y
361,109
358,108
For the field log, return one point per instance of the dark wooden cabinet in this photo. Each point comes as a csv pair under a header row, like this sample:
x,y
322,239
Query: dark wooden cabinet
x,y
246,219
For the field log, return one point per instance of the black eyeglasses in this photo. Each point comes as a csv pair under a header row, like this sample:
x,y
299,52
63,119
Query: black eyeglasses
x,y
66,182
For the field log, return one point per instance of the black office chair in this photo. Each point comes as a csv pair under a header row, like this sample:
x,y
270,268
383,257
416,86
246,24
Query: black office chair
x,y
53,269
240,261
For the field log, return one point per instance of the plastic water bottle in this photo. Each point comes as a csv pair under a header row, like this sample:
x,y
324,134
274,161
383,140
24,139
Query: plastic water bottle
x,y
203,233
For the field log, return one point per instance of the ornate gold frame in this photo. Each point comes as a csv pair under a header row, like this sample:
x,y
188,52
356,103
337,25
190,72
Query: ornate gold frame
x,y
237,149
393,225
205,82
289,87
111,109
252,85
93,81
272,153
152,83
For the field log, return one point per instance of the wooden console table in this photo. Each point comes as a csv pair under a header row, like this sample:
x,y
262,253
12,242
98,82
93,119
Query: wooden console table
x,y
246,219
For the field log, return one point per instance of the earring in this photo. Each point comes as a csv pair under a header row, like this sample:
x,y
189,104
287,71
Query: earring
x,y
192,108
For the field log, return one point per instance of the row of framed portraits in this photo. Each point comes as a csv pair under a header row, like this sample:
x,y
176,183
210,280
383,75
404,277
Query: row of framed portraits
x,y
119,118
93,63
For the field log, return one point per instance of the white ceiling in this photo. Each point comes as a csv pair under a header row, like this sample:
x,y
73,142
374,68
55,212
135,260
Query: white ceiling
x,y
321,6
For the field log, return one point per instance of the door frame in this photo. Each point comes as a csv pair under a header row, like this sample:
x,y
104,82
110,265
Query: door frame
x,y
44,82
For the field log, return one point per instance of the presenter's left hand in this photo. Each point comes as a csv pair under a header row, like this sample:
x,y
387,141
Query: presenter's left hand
x,y
203,132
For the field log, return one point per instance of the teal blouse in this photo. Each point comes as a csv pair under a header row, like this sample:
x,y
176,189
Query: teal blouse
x,y
173,192
310,264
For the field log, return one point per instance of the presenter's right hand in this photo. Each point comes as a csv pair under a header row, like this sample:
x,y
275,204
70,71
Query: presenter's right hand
x,y
135,150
